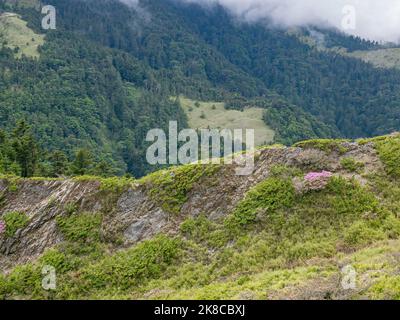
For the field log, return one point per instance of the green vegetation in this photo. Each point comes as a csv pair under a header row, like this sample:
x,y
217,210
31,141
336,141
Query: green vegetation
x,y
19,37
214,116
267,197
101,90
170,188
389,152
275,242
351,165
14,221
20,155
381,58
133,267
326,145
79,102
80,227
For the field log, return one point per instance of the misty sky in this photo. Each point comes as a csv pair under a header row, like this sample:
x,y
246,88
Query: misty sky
x,y
375,19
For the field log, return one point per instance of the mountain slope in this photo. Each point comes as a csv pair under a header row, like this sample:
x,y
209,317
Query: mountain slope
x,y
106,75
274,234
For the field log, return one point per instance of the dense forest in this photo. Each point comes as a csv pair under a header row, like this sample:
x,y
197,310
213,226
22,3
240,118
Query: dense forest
x,y
109,73
21,155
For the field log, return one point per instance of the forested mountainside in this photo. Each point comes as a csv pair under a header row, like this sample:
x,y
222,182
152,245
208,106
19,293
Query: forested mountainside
x,y
319,220
110,72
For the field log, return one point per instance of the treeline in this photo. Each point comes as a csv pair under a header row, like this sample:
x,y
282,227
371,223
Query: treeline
x,y
206,54
334,38
80,94
21,155
105,86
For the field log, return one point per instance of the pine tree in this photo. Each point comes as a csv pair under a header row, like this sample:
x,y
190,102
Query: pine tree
x,y
59,163
82,163
25,147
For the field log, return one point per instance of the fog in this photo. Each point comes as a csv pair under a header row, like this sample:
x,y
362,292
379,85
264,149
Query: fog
x,y
372,19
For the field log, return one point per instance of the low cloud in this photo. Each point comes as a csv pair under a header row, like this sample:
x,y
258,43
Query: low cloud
x,y
373,19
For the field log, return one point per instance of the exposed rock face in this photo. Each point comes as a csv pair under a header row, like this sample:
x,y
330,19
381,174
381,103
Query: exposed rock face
x,y
133,215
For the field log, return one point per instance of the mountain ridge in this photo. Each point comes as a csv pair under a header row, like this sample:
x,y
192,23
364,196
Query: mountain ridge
x,y
177,49
214,231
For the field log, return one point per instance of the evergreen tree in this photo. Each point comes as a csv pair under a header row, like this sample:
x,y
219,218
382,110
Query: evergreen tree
x,y
26,150
59,163
82,163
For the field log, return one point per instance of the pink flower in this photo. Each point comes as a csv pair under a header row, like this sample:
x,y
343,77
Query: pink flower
x,y
2,227
312,176
317,180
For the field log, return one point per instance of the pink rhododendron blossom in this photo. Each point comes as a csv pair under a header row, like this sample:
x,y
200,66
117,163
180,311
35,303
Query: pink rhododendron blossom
x,y
317,180
318,175
2,227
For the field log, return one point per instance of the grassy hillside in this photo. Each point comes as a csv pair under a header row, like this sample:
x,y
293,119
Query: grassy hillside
x,y
214,115
84,77
275,234
383,58
18,37
378,56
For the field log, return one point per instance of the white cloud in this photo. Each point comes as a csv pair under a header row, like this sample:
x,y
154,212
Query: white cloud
x,y
375,19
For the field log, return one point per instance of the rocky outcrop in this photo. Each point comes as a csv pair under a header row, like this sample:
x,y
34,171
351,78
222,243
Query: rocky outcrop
x,y
132,215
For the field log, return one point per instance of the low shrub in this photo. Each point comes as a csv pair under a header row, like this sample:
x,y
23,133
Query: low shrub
x,y
13,222
169,188
326,145
389,153
268,196
83,227
351,165
132,267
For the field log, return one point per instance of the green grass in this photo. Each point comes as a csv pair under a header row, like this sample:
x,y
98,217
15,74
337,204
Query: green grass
x,y
389,153
276,242
112,184
299,239
14,221
382,58
267,197
84,227
351,165
19,37
213,115
326,145
170,188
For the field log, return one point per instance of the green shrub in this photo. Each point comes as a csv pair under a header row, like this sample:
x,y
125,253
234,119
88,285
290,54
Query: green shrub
x,y
351,165
59,260
387,288
25,280
4,287
303,251
116,184
202,229
350,198
133,267
83,227
268,196
361,233
282,171
170,188
70,208
14,221
326,145
197,228
389,153
391,226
